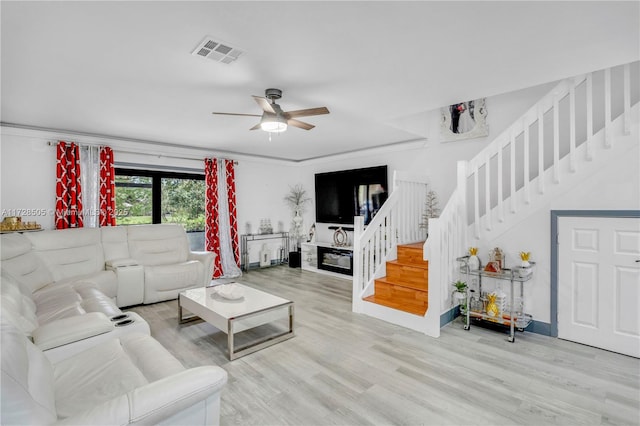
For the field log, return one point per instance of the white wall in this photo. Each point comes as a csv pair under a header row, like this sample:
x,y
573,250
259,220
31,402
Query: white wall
x,y
28,178
28,175
438,159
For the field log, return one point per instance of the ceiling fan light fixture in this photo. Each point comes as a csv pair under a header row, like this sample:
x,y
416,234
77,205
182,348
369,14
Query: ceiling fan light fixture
x,y
273,124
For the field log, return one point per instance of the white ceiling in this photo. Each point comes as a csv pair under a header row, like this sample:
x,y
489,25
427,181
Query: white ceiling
x,y
125,69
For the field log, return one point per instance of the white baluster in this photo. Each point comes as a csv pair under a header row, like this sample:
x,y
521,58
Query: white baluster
x,y
608,143
556,141
512,171
627,99
540,150
378,247
589,147
500,183
572,127
527,195
476,202
487,191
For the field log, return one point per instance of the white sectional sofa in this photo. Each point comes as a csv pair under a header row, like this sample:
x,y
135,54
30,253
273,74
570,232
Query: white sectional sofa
x,y
127,380
63,288
129,264
70,355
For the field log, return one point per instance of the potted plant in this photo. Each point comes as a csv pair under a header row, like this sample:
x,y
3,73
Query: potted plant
x,y
461,290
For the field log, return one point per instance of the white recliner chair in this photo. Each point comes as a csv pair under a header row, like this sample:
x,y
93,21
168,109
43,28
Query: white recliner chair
x,y
127,380
169,265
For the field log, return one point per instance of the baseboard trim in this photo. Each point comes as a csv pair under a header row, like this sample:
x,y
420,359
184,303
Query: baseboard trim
x,y
448,316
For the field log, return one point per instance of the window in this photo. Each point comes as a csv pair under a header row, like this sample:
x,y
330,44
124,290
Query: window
x,y
145,196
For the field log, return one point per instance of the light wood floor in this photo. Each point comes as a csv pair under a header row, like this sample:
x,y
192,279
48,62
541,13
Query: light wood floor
x,y
348,369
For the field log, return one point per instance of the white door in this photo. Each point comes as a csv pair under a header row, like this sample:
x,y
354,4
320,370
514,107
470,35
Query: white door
x,y
599,282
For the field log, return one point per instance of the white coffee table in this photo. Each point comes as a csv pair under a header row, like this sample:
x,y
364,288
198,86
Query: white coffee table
x,y
233,316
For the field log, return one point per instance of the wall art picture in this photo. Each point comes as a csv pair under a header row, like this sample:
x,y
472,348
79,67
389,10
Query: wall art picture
x,y
464,120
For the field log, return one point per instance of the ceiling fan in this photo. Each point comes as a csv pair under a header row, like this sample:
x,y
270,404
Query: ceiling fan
x,y
274,119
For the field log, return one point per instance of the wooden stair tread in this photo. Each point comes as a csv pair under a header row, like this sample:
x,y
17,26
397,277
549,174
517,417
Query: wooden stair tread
x,y
424,265
400,283
417,245
416,309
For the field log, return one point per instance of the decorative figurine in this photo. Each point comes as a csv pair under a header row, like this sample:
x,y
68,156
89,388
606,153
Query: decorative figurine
x,y
492,307
525,265
474,261
497,255
312,233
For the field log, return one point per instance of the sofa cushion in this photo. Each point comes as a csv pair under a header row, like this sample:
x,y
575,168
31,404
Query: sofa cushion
x,y
154,245
114,243
171,277
109,370
21,263
18,306
57,301
93,300
105,281
27,380
70,252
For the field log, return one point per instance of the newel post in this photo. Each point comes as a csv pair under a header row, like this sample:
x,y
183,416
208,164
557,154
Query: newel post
x,y
356,297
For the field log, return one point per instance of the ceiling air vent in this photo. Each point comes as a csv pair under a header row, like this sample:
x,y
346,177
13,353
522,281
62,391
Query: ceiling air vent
x,y
217,50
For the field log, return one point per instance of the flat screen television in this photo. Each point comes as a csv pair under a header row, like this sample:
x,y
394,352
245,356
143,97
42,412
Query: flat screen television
x,y
343,194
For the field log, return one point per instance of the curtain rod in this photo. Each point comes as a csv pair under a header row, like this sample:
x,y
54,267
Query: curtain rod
x,y
83,145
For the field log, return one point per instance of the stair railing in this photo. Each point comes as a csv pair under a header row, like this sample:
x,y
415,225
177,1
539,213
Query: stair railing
x,y
501,178
397,222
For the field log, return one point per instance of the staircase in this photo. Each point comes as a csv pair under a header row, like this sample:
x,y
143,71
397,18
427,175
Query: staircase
x,y
582,126
405,287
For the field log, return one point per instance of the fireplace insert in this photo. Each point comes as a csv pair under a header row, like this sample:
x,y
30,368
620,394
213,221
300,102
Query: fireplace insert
x,y
335,260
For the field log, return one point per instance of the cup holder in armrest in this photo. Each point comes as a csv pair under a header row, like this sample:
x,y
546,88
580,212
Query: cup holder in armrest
x,y
119,317
124,323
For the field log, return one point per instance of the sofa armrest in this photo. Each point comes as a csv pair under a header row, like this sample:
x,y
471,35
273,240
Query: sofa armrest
x,y
71,329
206,258
130,276
159,400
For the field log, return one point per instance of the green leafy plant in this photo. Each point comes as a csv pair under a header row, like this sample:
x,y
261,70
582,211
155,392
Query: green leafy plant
x,y
460,286
460,293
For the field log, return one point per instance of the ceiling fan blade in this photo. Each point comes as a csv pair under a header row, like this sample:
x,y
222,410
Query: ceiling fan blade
x,y
264,104
256,127
233,113
300,124
306,112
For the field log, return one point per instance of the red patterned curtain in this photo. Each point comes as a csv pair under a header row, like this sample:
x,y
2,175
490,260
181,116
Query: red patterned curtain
x,y
233,212
68,188
107,188
213,225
